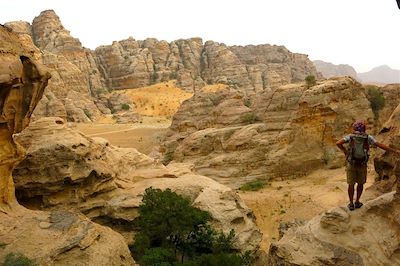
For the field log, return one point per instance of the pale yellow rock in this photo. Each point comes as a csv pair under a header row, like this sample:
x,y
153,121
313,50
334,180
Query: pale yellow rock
x,y
52,238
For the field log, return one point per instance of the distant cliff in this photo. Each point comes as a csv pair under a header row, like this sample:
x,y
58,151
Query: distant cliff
x,y
329,70
381,74
82,78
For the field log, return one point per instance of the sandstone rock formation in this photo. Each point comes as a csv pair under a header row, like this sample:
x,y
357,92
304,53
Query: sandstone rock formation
x,y
22,82
131,64
387,165
329,70
367,236
65,168
56,238
282,133
82,78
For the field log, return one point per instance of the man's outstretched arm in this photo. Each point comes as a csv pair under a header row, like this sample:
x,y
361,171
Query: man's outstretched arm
x,y
386,148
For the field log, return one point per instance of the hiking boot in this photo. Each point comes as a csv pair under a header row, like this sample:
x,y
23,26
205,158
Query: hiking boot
x,y
351,206
358,205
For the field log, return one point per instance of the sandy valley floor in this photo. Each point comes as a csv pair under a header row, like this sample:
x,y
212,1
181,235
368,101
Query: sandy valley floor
x,y
279,201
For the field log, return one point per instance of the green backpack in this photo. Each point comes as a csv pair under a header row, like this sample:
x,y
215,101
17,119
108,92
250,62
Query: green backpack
x,y
359,149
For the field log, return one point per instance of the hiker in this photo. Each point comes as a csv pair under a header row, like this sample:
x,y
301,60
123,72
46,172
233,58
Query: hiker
x,y
357,156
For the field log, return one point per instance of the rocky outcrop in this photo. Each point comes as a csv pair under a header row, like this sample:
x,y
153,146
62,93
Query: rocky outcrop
x,y
281,133
82,78
341,237
131,64
48,238
76,92
61,238
386,163
22,82
329,70
68,91
64,168
381,75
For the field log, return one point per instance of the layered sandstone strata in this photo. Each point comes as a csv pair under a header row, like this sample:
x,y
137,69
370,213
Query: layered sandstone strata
x,y
82,79
282,133
48,238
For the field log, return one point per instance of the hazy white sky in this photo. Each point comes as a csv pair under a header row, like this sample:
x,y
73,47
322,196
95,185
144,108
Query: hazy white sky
x,y
361,33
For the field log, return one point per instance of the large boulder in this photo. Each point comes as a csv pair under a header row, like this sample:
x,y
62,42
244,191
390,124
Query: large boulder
x,y
367,236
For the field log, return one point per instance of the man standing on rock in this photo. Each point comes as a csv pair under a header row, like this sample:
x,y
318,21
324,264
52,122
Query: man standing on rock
x,y
357,156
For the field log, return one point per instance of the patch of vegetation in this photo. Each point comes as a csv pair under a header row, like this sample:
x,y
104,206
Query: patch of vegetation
x,y
17,259
247,102
125,106
168,157
154,77
172,232
310,81
101,91
253,185
173,75
375,97
87,113
249,118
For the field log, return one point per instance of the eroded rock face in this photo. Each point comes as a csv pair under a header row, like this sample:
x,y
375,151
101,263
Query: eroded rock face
x,y
131,64
387,164
82,78
22,82
341,237
281,133
65,168
58,237
61,238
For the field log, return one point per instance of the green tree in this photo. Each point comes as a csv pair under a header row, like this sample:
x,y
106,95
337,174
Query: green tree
x,y
375,97
172,232
125,106
310,81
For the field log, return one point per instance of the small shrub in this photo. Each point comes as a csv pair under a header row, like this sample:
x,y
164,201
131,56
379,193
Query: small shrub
x,y
125,106
87,113
17,259
375,97
154,77
249,118
101,91
310,81
173,75
253,185
247,102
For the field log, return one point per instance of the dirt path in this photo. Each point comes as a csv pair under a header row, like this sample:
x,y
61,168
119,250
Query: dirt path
x,y
301,199
142,136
